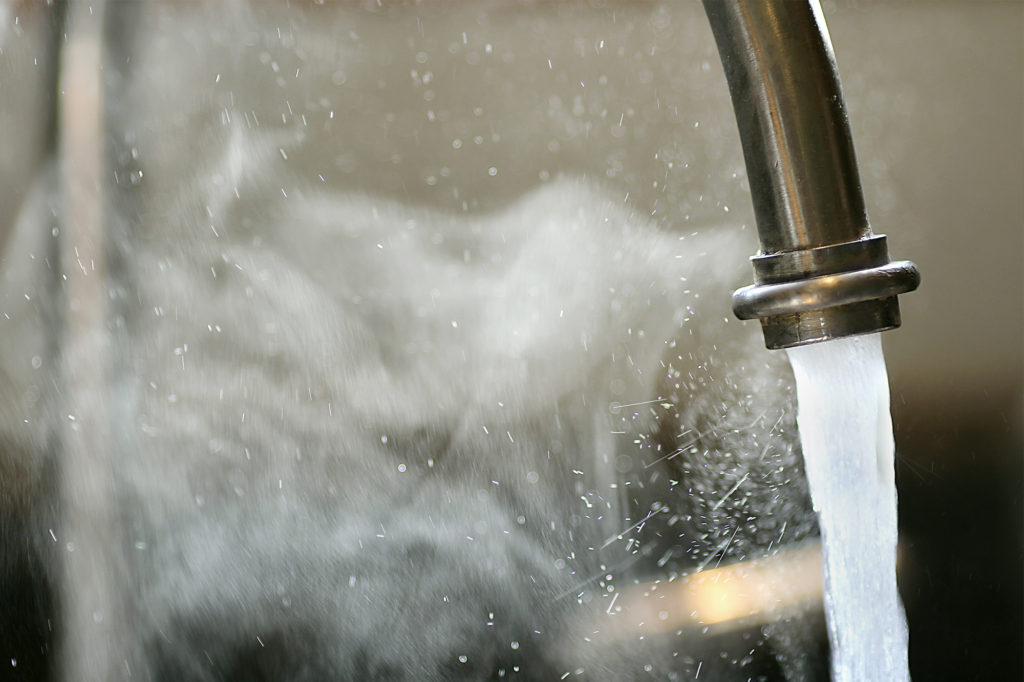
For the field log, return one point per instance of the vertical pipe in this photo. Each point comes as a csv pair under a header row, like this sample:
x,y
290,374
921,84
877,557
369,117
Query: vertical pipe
x,y
793,125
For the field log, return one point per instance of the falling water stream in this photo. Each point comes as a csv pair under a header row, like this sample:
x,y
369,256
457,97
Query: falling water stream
x,y
846,431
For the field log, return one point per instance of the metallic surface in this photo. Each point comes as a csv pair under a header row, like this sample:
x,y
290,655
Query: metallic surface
x,y
820,264
815,293
800,329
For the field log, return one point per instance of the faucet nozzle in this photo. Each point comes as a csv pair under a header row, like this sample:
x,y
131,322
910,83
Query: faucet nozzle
x,y
821,273
817,294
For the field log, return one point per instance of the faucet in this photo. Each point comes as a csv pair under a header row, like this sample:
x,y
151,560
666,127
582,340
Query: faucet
x,y
821,273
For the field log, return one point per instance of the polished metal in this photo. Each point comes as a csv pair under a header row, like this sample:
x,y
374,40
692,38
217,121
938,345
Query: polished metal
x,y
821,273
815,293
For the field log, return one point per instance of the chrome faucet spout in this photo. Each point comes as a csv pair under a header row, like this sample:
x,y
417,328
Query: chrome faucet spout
x,y
821,273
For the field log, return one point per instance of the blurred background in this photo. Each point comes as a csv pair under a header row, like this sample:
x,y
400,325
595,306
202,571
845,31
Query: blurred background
x,y
465,106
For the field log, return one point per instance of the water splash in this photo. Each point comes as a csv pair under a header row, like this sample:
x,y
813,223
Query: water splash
x,y
846,431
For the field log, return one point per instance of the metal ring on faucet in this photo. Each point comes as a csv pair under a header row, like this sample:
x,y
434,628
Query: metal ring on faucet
x,y
826,291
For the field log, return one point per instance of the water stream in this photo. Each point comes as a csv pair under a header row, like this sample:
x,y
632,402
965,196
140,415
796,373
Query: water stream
x,y
846,431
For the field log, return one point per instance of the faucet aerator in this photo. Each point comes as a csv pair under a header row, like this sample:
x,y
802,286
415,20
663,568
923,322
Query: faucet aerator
x,y
811,295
